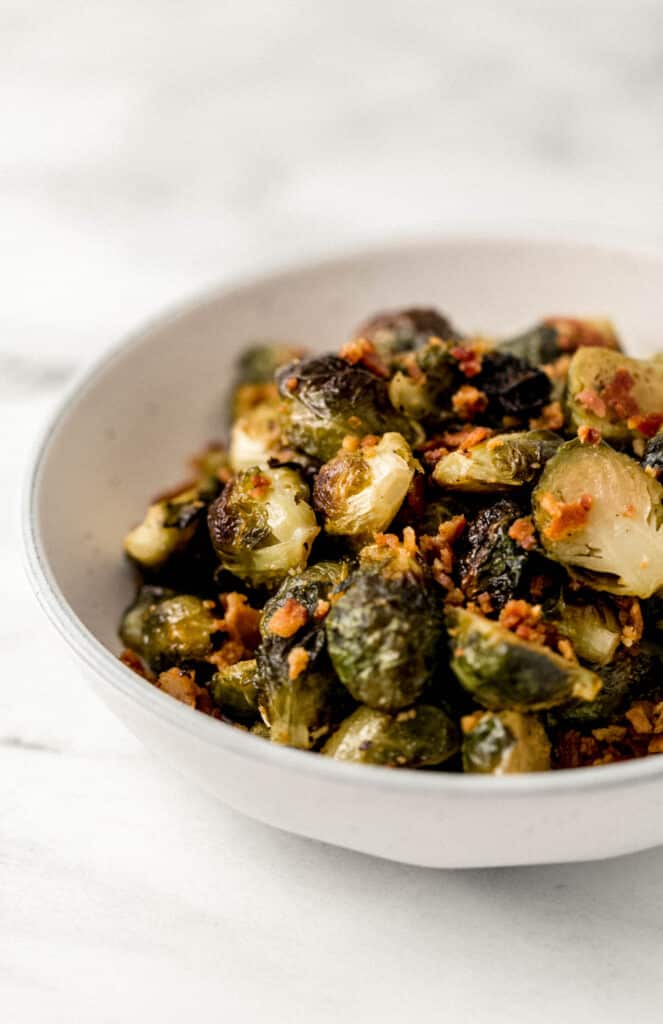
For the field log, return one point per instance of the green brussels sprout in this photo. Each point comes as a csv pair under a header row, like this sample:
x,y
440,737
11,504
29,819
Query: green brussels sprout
x,y
359,492
537,346
327,400
590,623
502,671
631,675
235,691
426,395
504,742
177,630
132,625
299,693
255,436
557,336
254,380
262,526
490,561
167,529
606,390
384,631
514,388
422,735
600,515
501,463
405,330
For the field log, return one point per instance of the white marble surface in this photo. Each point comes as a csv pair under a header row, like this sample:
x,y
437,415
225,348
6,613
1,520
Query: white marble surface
x,y
149,149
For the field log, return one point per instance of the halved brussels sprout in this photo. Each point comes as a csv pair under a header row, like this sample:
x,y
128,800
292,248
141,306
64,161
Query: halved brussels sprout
x,y
383,635
167,529
426,394
600,515
327,400
491,561
300,696
614,393
262,526
502,462
405,330
502,671
359,492
234,690
422,735
590,623
504,742
177,630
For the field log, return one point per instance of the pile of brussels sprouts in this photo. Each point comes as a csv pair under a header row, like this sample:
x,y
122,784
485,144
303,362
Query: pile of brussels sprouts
x,y
429,550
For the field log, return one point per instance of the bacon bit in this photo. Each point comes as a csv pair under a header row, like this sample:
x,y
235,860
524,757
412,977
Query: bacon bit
x,y
617,396
551,418
467,438
592,401
240,621
412,367
653,472
132,661
469,359
350,443
573,333
610,734
228,654
354,422
433,456
589,435
287,619
629,511
485,603
291,384
260,485
469,402
438,550
386,540
637,716
558,370
410,541
522,531
181,685
648,425
298,660
362,351
631,620
469,722
369,441
321,610
566,650
565,517
525,620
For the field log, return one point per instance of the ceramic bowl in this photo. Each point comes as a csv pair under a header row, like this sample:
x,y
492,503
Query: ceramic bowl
x,y
126,429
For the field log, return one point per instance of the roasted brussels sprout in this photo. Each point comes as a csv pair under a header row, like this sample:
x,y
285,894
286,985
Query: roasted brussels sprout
x,y
327,400
631,675
503,742
426,393
255,374
255,436
621,397
422,735
514,388
502,671
384,631
166,530
359,492
652,460
177,630
234,690
557,336
300,696
490,560
132,626
501,463
537,346
590,623
262,526
405,330
599,513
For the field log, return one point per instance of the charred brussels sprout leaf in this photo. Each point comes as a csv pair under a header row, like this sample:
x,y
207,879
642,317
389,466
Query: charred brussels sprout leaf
x,y
514,388
613,393
234,690
383,635
501,463
652,460
132,626
178,630
262,526
327,399
631,675
600,515
490,561
299,693
405,330
423,735
502,671
360,492
504,742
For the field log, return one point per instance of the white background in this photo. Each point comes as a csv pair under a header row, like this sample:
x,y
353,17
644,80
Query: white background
x,y
150,148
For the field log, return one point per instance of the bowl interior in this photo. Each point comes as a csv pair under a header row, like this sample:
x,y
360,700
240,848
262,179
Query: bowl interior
x,y
128,429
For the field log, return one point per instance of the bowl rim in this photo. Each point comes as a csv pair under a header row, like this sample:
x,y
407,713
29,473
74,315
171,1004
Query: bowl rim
x,y
217,733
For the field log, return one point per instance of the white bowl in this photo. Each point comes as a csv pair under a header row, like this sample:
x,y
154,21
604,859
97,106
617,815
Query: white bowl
x,y
125,431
